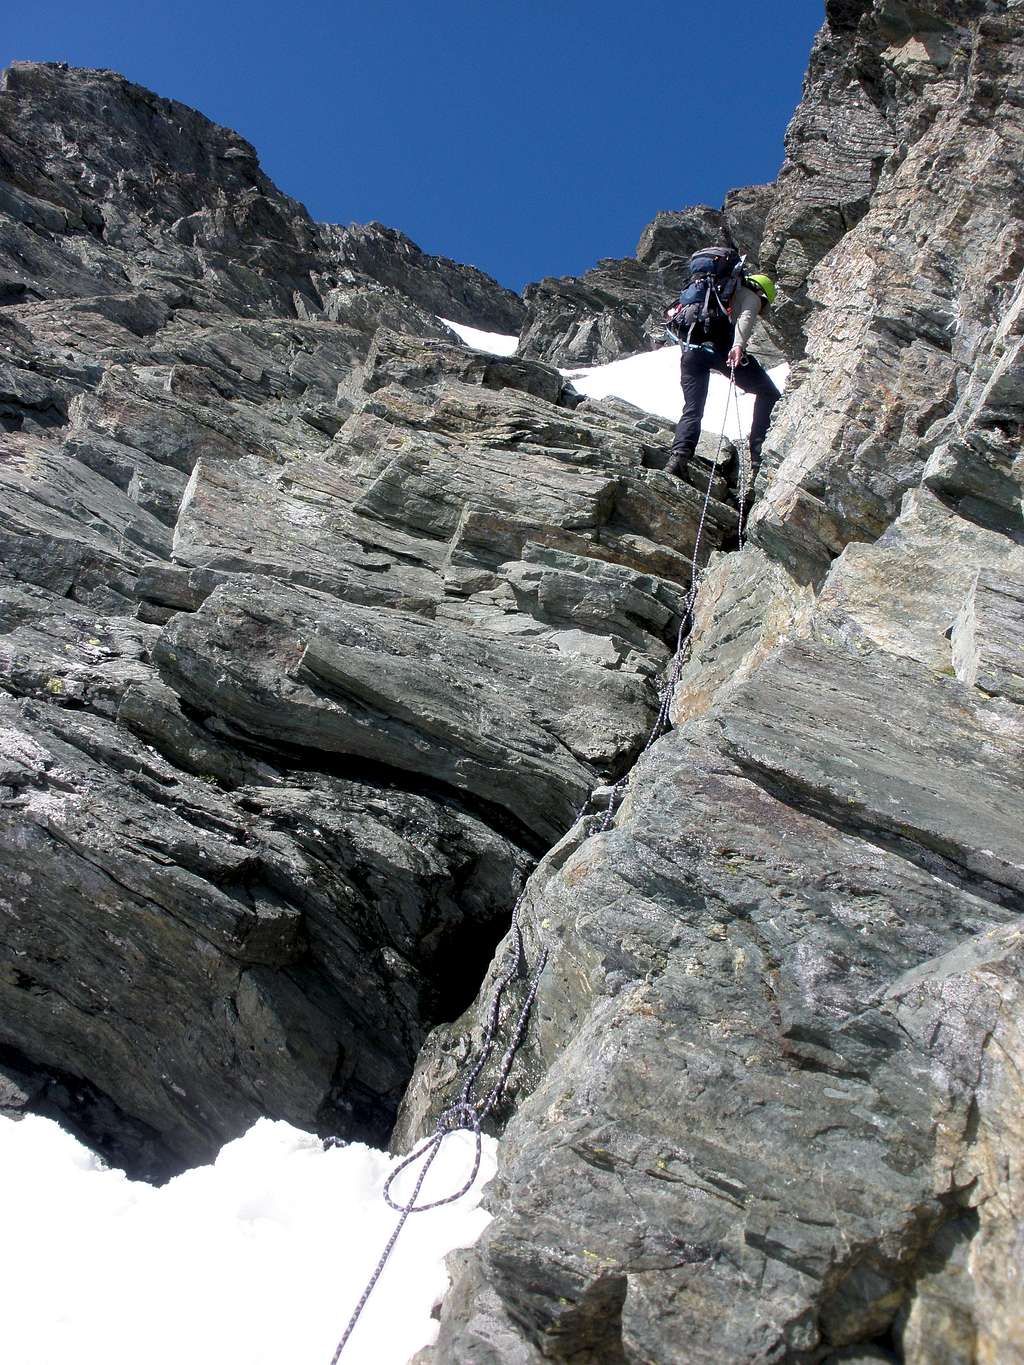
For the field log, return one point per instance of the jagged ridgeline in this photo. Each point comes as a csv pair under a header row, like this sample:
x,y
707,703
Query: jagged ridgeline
x,y
316,628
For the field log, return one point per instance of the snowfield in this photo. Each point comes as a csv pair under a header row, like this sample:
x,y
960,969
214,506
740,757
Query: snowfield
x,y
258,1259
651,381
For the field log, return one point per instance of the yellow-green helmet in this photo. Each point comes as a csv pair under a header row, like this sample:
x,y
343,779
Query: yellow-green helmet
x,y
763,285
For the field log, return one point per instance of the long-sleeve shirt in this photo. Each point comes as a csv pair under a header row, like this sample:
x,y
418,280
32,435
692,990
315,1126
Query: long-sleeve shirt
x,y
746,307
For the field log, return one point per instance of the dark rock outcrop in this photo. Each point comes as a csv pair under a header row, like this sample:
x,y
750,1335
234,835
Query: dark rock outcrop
x,y
441,286
110,192
912,330
315,629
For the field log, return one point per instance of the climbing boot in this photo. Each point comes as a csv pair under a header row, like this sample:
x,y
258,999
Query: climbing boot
x,y
755,459
677,462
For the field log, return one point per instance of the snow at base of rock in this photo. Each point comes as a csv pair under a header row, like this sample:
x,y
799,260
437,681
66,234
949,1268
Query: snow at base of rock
x,y
258,1259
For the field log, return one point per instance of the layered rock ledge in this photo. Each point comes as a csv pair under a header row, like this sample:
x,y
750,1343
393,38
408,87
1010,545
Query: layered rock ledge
x,y
769,1105
316,629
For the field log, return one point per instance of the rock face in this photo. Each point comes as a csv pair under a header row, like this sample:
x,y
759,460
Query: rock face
x,y
316,628
177,208
768,1105
441,286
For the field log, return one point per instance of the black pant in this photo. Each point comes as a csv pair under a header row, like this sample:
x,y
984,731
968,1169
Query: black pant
x,y
751,377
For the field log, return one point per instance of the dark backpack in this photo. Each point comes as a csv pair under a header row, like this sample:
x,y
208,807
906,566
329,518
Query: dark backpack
x,y
701,313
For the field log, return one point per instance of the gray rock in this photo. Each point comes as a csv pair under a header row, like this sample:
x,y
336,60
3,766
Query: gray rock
x,y
440,286
747,605
153,193
294,668
912,757
214,401
725,939
906,591
911,329
836,146
17,1090
54,650
315,626
759,1110
217,410
240,940
251,516
606,314
860,1355
419,363
670,240
605,599
988,636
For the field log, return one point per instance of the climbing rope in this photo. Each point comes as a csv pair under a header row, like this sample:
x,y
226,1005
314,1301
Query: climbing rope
x,y
467,1114
665,698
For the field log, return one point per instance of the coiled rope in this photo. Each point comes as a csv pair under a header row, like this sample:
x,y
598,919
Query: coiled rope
x,y
467,1114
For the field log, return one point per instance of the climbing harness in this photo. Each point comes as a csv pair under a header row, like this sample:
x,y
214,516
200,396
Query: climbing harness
x,y
467,1114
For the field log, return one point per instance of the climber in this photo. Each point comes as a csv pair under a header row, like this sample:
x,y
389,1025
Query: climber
x,y
712,321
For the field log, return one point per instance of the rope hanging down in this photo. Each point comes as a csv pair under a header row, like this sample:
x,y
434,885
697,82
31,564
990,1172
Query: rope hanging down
x,y
665,699
467,1114
744,460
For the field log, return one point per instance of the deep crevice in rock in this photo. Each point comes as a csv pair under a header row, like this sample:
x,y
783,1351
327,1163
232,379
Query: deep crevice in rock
x,y
87,1113
293,761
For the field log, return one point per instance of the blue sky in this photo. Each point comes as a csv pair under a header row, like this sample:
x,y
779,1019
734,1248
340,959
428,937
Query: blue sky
x,y
528,137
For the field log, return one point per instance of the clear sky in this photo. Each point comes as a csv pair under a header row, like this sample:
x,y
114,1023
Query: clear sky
x,y
528,137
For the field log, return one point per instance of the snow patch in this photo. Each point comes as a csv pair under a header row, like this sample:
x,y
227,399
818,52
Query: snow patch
x,y
495,343
258,1259
651,381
